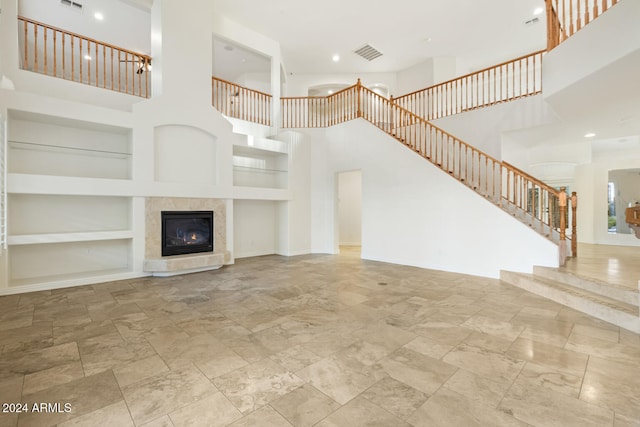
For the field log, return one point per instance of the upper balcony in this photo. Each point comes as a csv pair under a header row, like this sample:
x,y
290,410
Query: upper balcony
x,y
63,54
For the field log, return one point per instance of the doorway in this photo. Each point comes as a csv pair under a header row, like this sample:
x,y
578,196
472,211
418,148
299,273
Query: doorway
x,y
350,212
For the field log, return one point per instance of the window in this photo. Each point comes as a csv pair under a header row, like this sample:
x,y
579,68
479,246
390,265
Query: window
x,y
611,200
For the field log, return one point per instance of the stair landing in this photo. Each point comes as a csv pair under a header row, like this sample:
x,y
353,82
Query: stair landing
x,y
603,281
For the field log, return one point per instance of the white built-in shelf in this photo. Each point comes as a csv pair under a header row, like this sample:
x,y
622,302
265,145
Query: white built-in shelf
x,y
86,236
73,279
30,183
259,167
69,185
34,146
258,170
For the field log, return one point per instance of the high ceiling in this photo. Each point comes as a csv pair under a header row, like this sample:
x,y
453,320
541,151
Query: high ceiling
x,y
407,32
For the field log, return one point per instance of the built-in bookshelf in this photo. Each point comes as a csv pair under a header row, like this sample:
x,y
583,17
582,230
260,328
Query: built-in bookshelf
x,y
68,234
259,167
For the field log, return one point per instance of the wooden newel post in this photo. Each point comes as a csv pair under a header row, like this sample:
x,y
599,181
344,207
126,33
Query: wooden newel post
x,y
563,211
574,224
359,89
550,23
562,247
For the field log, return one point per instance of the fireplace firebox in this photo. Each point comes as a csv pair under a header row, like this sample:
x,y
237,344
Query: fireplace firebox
x,y
187,232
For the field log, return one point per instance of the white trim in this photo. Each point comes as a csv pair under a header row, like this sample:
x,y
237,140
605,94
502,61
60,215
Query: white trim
x,y
88,236
69,283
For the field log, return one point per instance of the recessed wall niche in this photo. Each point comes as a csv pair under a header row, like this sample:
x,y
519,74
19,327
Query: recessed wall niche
x,y
184,154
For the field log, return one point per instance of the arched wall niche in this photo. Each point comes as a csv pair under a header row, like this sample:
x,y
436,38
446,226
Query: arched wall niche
x,y
184,154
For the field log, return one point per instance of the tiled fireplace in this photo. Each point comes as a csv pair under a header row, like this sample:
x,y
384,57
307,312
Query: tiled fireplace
x,y
176,260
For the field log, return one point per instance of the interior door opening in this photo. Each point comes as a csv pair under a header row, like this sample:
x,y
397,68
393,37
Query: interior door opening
x,y
350,212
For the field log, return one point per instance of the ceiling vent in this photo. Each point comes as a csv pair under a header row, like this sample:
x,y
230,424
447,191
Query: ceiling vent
x,y
368,52
72,4
532,21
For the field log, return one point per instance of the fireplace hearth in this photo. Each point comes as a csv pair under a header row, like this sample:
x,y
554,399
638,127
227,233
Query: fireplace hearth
x,y
186,232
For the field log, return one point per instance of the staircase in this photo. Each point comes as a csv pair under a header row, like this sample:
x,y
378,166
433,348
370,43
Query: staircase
x,y
617,305
546,210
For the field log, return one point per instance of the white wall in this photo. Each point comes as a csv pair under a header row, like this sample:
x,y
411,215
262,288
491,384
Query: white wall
x,y
613,36
414,214
483,128
298,84
255,228
350,207
184,154
425,74
295,215
257,81
182,60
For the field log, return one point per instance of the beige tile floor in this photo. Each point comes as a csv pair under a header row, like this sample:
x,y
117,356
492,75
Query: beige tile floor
x,y
618,265
312,340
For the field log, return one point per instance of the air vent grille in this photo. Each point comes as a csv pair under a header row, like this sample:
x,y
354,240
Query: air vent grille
x,y
532,21
368,52
72,4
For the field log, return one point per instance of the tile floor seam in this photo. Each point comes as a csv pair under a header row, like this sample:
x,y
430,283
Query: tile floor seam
x,y
280,413
125,401
584,375
506,392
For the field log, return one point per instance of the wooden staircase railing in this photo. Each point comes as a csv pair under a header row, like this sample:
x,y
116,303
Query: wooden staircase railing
x,y
510,80
240,102
59,53
566,17
318,111
530,200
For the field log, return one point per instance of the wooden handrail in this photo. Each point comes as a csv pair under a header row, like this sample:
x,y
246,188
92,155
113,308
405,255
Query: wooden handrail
x,y
62,59
420,119
507,81
567,17
530,177
235,84
514,190
240,102
476,72
69,33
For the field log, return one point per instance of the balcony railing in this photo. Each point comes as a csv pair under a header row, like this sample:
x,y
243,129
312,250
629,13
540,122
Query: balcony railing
x,y
566,17
507,81
242,103
59,53
527,198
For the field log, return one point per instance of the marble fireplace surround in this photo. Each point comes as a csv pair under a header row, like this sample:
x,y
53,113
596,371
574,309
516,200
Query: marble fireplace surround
x,y
155,263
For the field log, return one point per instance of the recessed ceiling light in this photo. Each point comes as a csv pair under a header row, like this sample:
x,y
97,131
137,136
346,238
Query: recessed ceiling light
x,y
335,58
330,92
538,11
87,57
589,135
99,16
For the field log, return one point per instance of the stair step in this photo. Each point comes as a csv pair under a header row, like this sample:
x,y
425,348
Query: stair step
x,y
619,293
619,313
